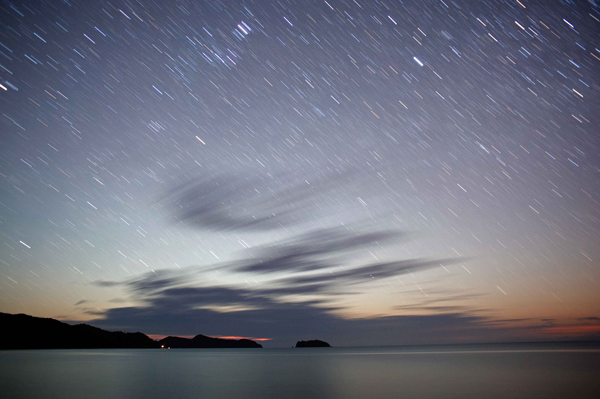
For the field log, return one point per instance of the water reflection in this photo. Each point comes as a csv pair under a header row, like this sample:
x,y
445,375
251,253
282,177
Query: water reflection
x,y
465,372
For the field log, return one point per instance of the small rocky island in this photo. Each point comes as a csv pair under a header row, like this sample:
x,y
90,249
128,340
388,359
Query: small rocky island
x,y
315,343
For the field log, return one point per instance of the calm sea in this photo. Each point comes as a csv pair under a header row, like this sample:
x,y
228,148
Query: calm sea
x,y
474,371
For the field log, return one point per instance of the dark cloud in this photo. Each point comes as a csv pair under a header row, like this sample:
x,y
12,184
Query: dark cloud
x,y
322,251
172,307
94,312
519,321
286,263
81,302
230,203
193,297
301,253
595,319
438,309
289,322
306,289
154,280
369,272
188,312
118,300
317,251
313,266
106,284
334,240
439,304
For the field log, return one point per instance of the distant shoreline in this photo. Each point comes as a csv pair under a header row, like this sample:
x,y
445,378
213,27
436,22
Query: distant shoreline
x,y
24,332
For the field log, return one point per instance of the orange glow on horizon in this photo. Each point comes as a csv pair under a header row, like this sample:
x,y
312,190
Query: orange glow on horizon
x,y
572,331
236,337
158,337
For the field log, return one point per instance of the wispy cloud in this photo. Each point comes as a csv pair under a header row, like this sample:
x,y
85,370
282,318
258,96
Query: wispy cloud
x,y
306,252
229,203
306,278
370,271
189,312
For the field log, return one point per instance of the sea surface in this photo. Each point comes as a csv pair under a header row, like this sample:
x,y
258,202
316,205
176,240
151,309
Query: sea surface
x,y
470,371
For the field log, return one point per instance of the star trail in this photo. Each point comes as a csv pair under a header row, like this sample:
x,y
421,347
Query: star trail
x,y
232,168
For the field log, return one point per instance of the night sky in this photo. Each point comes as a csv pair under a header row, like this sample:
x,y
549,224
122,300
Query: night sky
x,y
363,172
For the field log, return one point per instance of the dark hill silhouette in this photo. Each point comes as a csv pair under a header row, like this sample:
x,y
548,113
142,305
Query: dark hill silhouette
x,y
314,343
202,341
21,331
